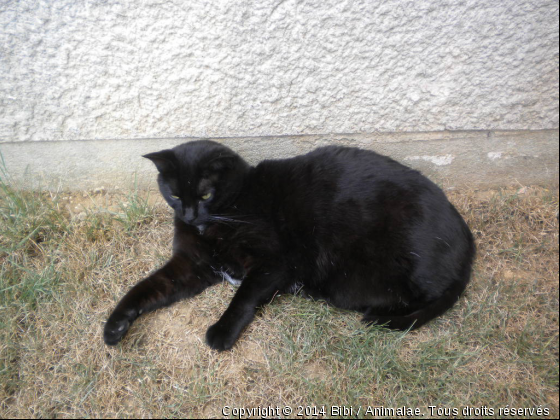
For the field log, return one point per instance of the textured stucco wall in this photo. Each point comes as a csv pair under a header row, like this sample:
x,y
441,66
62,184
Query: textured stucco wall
x,y
452,159
129,69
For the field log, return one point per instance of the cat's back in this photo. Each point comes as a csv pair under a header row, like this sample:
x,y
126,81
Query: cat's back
x,y
352,191
355,163
337,188
339,170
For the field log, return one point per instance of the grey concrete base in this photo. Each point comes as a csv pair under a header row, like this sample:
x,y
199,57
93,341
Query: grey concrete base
x,y
453,159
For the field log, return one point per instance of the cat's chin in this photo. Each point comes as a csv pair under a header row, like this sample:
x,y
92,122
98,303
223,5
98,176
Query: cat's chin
x,y
201,227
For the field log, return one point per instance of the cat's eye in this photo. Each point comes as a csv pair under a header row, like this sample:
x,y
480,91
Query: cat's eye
x,y
176,197
206,196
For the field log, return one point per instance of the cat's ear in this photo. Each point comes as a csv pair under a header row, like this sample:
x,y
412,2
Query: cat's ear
x,y
163,161
222,163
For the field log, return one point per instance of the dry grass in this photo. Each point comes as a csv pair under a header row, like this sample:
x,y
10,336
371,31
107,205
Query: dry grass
x,y
63,269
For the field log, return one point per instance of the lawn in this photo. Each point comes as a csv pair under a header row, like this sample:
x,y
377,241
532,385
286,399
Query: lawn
x,y
66,259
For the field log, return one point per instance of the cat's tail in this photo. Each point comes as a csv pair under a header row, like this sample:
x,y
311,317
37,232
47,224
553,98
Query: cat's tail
x,y
421,316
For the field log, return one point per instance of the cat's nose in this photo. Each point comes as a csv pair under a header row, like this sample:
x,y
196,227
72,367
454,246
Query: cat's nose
x,y
189,214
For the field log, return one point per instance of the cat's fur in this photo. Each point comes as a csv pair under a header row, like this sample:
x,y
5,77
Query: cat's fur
x,y
346,225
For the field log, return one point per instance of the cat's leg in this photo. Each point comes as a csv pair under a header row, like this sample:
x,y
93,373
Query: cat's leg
x,y
257,288
180,278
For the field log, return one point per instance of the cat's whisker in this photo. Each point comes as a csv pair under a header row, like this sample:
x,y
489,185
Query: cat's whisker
x,y
219,220
227,219
236,216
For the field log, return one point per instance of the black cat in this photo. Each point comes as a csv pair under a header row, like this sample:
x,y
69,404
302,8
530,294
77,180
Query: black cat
x,y
346,225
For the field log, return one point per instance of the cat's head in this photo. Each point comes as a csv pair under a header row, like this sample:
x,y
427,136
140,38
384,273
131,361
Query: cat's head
x,y
199,179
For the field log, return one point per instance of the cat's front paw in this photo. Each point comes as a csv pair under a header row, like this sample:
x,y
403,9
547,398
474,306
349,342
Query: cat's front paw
x,y
115,329
220,338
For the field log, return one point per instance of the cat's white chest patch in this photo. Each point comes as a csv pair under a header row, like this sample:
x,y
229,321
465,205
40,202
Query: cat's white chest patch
x,y
230,279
